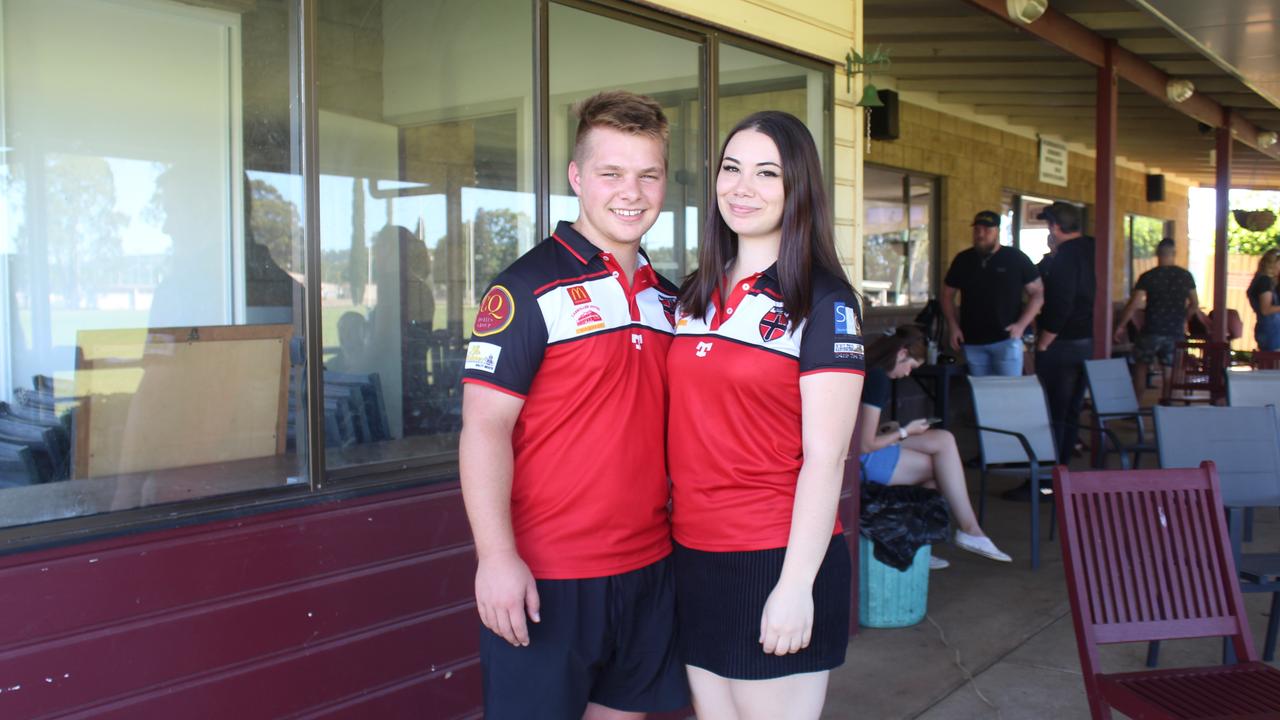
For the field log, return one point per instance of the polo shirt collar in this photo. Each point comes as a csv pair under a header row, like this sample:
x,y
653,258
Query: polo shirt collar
x,y
573,241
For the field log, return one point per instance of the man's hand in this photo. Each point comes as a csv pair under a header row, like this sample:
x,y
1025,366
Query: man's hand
x,y
955,337
1120,335
505,590
786,625
1015,331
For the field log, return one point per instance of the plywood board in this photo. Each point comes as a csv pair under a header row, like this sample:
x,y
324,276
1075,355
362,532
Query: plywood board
x,y
202,395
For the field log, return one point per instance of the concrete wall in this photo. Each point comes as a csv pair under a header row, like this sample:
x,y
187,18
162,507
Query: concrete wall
x,y
978,163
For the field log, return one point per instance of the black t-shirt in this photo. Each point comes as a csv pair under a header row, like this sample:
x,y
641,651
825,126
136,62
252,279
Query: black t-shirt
x,y
1068,291
1167,289
991,288
876,388
1261,284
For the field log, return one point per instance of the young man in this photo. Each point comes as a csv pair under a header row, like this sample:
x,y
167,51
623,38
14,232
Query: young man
x,y
562,456
1167,294
991,280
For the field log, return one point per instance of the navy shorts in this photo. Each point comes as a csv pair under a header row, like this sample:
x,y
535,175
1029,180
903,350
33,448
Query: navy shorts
x,y
609,640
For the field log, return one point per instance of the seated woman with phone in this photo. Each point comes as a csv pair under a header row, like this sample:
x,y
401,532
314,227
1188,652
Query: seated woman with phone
x,y
914,454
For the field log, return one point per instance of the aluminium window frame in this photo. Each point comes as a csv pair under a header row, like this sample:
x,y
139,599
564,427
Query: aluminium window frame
x,y
323,484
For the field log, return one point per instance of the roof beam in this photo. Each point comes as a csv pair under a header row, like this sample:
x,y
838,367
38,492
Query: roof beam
x,y
1059,30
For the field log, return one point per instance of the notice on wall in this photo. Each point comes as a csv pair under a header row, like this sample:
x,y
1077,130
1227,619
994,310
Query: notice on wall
x,y
1053,162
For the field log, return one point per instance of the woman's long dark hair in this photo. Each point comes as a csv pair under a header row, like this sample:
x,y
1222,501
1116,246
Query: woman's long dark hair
x,y
807,236
882,352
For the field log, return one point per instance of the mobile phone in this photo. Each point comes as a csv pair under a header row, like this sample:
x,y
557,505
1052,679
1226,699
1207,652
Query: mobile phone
x,y
933,421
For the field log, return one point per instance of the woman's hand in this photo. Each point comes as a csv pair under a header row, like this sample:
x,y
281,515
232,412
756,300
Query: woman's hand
x,y
918,426
787,622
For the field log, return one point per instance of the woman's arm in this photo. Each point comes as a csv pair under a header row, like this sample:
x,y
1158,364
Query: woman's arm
x,y
826,429
870,439
1266,302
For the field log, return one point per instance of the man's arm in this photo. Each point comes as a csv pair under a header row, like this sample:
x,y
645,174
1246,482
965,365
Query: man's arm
x,y
1193,308
954,335
505,589
1035,301
1137,301
1059,293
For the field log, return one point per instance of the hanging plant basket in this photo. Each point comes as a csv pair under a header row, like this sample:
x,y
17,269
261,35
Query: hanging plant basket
x,y
1255,220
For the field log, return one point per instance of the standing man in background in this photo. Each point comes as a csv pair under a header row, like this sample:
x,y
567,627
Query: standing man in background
x,y
1066,323
1167,294
992,280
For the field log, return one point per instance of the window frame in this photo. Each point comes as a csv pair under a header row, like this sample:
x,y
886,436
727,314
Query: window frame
x,y
322,484
935,249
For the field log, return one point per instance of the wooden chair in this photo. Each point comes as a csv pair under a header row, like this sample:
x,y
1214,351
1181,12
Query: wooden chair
x,y
1147,558
1196,373
1113,399
1266,360
1015,438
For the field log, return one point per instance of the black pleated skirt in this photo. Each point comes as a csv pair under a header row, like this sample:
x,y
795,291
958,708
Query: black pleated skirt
x,y
720,597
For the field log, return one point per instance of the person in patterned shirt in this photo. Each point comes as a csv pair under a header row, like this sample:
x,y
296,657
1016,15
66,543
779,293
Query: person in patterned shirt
x,y
1167,295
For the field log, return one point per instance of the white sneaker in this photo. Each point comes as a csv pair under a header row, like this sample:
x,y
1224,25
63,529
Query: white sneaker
x,y
937,563
980,545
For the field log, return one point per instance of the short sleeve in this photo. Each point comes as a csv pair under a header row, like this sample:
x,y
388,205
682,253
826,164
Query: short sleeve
x,y
877,388
832,338
508,339
955,273
1144,282
1030,273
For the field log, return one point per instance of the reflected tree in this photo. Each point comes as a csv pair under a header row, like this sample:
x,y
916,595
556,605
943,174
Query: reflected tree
x,y
83,227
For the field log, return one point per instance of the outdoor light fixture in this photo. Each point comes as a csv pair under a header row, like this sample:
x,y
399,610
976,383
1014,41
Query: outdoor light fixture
x,y
1267,139
1179,91
1026,11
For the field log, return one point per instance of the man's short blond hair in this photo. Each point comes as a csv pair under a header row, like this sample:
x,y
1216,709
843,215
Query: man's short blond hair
x,y
623,111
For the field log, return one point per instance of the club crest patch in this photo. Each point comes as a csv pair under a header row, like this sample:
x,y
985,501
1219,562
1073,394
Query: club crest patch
x,y
774,324
497,309
668,307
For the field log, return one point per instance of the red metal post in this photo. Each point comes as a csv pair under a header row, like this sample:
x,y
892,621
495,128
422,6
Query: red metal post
x,y
1104,200
1223,155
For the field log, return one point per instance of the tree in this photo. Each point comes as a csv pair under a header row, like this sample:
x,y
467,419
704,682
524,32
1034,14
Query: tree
x,y
274,222
496,243
84,228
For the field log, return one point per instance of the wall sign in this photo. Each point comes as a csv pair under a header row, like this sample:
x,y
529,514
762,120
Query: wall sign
x,y
1053,162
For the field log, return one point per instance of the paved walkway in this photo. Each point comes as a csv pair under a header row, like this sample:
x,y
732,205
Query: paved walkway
x,y
998,640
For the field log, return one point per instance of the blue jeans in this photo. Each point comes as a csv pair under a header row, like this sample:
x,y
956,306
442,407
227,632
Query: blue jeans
x,y
998,358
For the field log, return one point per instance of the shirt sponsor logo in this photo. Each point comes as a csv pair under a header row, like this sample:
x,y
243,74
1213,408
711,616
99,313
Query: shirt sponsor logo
x,y
702,349
482,356
846,320
848,350
497,308
774,324
578,294
588,318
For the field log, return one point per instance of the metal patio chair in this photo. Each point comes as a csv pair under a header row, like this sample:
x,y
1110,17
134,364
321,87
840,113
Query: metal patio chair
x,y
1113,399
1147,558
1241,442
1253,388
1014,438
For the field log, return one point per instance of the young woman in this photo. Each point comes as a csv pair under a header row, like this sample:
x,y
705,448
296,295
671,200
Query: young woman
x,y
1265,301
765,373
913,454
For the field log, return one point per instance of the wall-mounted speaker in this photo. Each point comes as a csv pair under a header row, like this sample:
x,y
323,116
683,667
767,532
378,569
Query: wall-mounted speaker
x,y
1155,188
884,120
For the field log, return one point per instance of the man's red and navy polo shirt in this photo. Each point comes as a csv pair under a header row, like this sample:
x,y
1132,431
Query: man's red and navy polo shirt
x,y
562,329
734,432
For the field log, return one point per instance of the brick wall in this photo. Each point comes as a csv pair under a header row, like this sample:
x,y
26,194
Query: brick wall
x,y
977,163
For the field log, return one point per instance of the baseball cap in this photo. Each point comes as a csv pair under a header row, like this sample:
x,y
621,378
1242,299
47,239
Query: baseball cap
x,y
1064,214
987,218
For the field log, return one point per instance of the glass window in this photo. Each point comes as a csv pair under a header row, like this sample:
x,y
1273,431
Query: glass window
x,y
1141,234
1032,232
752,81
589,53
151,237
898,245
426,193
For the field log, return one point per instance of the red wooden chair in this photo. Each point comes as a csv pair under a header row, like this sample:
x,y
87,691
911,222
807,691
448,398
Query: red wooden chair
x,y
1265,360
1147,557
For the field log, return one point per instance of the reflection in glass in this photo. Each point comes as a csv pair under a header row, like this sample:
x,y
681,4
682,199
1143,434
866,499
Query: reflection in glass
x,y
590,53
898,244
148,239
1141,234
426,193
